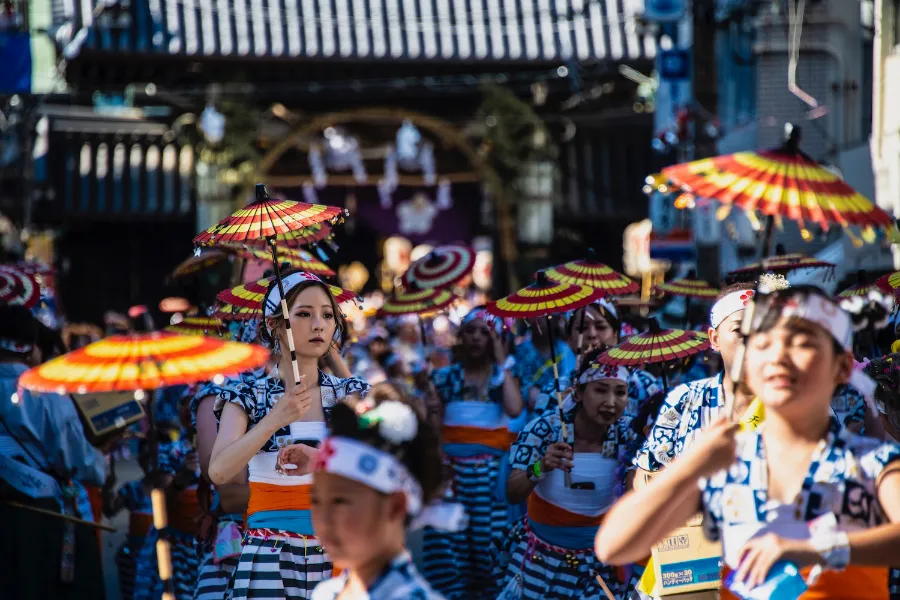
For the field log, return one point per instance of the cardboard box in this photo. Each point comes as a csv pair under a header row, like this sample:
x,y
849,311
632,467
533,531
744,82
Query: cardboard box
x,y
684,561
107,412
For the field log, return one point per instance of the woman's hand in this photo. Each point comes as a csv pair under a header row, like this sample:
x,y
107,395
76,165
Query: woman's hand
x,y
293,405
296,459
760,554
714,449
558,456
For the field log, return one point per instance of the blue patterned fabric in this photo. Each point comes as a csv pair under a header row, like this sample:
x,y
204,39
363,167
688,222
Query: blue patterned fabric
x,y
849,405
399,581
533,369
257,392
686,410
841,479
450,384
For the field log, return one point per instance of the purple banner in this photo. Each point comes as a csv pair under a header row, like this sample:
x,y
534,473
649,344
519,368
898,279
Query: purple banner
x,y
422,214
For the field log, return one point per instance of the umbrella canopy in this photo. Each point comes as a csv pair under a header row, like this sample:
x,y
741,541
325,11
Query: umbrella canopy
x,y
543,297
440,268
783,182
246,300
230,312
690,288
859,289
594,274
417,302
195,264
266,218
655,346
306,236
18,288
208,326
142,362
784,263
294,257
889,283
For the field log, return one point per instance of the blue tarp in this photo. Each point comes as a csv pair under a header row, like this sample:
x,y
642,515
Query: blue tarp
x,y
15,56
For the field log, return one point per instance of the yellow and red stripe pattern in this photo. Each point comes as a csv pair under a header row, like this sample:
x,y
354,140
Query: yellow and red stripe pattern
x,y
265,218
593,274
778,183
440,268
18,288
543,297
655,347
889,282
786,263
691,288
859,289
246,300
301,237
295,257
142,362
195,264
209,326
417,302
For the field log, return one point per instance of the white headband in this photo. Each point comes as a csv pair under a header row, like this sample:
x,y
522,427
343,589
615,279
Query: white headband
x,y
728,305
272,303
369,466
821,311
598,371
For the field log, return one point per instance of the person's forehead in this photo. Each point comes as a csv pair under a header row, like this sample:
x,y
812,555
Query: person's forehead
x,y
313,295
735,317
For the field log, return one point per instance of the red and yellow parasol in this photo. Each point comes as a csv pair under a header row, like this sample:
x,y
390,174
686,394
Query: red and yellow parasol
x,y
230,312
889,283
417,302
784,263
194,264
18,288
859,289
295,258
440,268
689,288
306,236
595,274
265,219
655,346
783,182
208,326
542,298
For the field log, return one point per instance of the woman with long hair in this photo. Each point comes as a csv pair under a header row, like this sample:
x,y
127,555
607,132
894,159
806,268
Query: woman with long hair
x,y
801,491
552,547
378,470
475,397
269,424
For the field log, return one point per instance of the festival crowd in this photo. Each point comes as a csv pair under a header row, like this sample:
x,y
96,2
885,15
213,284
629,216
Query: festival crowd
x,y
309,479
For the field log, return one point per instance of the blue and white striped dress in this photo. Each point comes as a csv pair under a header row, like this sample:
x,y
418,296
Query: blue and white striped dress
x,y
399,581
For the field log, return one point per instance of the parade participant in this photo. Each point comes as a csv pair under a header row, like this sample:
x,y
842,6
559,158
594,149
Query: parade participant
x,y
407,343
45,458
477,396
261,412
550,553
378,470
801,489
178,474
133,496
225,503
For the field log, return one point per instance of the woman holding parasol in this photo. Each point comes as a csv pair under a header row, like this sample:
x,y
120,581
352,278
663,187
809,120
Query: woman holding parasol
x,y
475,397
271,424
552,548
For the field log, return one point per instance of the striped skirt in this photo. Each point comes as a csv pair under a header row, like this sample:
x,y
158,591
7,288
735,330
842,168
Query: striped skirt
x,y
214,577
529,568
457,564
126,564
185,564
278,565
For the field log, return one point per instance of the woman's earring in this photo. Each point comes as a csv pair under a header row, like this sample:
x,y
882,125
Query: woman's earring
x,y
276,348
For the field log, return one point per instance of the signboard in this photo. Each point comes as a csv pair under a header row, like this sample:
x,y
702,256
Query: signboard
x,y
677,246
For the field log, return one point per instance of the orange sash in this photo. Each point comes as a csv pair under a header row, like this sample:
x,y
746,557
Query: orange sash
x,y
267,496
184,512
139,524
500,438
854,583
545,513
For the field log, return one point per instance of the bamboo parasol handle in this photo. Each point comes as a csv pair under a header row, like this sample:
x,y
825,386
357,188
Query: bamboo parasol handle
x,y
69,518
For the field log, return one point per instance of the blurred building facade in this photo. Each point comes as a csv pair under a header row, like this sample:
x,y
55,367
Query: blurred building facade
x,y
885,147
